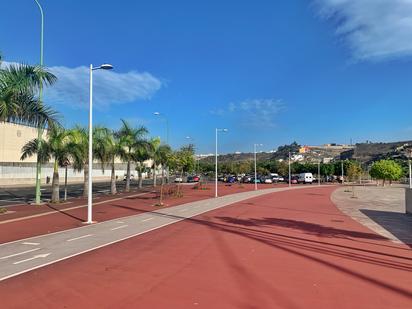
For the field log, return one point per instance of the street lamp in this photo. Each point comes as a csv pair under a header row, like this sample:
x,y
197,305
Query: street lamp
x,y
410,169
189,138
104,66
217,130
255,145
290,176
319,172
39,129
167,124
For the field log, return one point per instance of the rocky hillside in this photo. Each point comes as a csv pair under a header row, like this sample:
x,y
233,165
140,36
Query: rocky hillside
x,y
362,152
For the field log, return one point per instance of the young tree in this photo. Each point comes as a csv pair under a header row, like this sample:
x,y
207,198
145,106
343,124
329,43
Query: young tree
x,y
354,171
386,170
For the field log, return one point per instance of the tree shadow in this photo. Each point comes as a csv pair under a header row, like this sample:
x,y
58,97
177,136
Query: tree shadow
x,y
65,213
310,249
309,228
398,224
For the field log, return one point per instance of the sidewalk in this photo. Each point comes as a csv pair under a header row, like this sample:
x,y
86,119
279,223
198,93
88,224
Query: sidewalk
x,y
382,209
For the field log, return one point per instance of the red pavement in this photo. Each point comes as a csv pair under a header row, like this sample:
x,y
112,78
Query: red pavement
x,y
291,249
104,209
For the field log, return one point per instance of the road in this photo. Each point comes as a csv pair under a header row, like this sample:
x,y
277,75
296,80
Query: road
x,y
28,254
289,249
21,195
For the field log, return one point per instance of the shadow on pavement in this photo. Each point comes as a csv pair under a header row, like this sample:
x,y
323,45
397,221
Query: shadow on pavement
x,y
315,250
398,224
309,228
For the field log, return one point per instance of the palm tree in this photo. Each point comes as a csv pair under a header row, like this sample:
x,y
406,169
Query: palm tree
x,y
19,84
130,139
79,152
160,154
154,155
107,148
55,146
140,155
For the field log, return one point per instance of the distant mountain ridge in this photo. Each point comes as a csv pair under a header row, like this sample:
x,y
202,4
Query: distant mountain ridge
x,y
366,153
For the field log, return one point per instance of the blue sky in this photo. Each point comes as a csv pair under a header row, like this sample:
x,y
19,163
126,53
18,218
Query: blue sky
x,y
270,71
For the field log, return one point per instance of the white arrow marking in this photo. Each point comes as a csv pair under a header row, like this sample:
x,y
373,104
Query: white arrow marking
x,y
31,243
32,258
119,227
16,254
80,237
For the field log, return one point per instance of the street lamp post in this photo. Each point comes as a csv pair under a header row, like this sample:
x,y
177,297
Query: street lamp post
x,y
410,170
290,176
39,130
167,124
217,130
254,148
167,137
189,138
90,180
319,172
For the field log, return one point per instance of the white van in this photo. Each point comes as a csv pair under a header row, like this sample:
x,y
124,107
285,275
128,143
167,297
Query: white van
x,y
305,178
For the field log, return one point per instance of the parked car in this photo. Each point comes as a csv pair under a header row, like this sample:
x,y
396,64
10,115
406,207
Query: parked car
x,y
281,179
294,179
125,177
275,178
178,179
194,178
231,179
221,178
246,179
267,180
305,178
252,180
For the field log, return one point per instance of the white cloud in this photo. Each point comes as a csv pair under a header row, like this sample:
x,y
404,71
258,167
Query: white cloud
x,y
253,112
374,29
109,87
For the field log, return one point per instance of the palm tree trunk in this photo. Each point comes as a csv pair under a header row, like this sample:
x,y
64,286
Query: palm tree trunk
x,y
86,180
55,184
163,175
113,189
139,171
154,174
127,189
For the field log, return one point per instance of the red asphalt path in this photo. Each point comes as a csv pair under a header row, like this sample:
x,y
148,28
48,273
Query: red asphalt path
x,y
105,208
292,249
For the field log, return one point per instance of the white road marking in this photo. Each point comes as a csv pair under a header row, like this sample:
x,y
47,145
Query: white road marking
x,y
119,227
120,222
147,219
32,258
80,237
16,254
31,243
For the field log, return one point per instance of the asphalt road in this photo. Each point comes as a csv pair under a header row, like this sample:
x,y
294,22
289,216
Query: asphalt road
x,y
22,195
22,256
